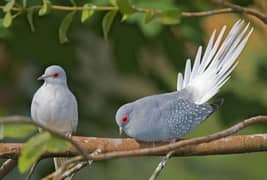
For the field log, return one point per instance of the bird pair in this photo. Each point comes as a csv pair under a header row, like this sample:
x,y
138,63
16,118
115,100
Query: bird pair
x,y
159,117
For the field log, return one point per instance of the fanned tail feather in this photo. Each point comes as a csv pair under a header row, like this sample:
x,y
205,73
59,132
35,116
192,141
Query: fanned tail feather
x,y
211,72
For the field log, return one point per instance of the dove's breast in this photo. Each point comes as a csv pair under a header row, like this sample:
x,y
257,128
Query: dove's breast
x,y
55,107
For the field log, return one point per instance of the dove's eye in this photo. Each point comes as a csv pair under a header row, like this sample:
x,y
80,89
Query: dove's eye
x,y
124,119
55,75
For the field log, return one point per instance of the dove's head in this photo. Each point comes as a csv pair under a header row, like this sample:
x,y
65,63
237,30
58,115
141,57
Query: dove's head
x,y
54,75
123,117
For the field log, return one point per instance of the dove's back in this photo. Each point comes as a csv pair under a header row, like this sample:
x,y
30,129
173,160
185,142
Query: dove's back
x,y
167,116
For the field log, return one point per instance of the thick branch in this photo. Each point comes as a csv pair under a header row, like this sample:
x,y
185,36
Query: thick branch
x,y
228,145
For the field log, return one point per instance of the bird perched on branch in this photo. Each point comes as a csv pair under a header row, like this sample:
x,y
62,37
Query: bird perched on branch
x,y
169,116
54,105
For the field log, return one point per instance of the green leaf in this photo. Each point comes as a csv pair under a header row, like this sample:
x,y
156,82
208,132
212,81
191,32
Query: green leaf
x,y
113,2
30,18
7,21
151,29
18,130
149,16
107,22
73,2
124,17
87,13
37,145
171,16
125,7
9,5
24,3
64,26
45,8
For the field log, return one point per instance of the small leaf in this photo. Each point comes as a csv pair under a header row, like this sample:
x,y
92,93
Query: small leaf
x,y
124,17
32,150
73,2
18,130
30,18
9,5
87,12
125,6
45,8
24,3
7,21
37,145
64,26
107,22
171,16
149,16
113,2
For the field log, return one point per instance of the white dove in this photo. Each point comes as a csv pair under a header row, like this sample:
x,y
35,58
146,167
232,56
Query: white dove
x,y
54,105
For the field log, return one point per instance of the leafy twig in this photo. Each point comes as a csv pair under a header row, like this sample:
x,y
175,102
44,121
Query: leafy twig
x,y
232,8
26,120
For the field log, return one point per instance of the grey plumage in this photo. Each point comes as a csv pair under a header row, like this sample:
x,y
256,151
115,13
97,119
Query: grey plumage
x,y
172,115
165,116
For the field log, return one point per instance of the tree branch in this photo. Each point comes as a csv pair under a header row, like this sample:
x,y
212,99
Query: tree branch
x,y
26,120
239,9
7,166
228,145
115,148
232,8
216,143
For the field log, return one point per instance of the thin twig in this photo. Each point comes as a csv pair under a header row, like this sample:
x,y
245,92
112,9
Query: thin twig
x,y
161,165
26,120
70,167
67,165
252,12
32,170
6,167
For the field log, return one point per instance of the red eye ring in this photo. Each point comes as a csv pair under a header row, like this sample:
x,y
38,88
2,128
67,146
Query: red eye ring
x,y
55,75
124,119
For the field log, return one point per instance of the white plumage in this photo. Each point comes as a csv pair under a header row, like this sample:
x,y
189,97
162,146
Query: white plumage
x,y
54,105
211,71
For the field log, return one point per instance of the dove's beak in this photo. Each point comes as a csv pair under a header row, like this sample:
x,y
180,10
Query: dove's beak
x,y
42,77
121,130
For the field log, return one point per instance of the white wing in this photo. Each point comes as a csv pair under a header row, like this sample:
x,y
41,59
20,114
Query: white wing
x,y
212,70
75,114
35,105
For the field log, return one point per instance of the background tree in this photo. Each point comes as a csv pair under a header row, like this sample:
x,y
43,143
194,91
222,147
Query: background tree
x,y
141,56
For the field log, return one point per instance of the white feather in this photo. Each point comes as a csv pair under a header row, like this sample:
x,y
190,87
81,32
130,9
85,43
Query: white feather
x,y
213,70
180,82
187,72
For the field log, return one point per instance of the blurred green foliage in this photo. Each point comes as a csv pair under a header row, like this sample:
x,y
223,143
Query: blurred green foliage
x,y
138,59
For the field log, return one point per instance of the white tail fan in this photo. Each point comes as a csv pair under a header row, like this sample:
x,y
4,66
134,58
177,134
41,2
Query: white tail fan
x,y
211,72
